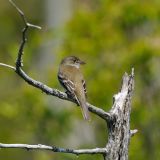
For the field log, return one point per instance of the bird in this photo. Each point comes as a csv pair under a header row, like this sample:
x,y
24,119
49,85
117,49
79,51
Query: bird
x,y
71,78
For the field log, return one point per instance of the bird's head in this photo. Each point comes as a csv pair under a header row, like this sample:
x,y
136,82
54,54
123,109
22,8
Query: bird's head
x,y
72,61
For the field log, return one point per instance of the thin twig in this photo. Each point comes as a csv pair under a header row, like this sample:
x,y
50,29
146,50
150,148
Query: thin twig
x,y
133,132
100,112
50,91
9,66
127,88
33,26
23,16
55,149
24,39
19,11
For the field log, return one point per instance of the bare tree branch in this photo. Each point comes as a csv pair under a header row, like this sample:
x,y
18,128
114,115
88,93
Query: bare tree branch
x,y
9,66
19,63
23,16
50,91
119,125
118,118
55,149
100,112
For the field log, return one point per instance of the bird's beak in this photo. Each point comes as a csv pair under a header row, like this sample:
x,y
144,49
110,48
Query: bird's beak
x,y
81,62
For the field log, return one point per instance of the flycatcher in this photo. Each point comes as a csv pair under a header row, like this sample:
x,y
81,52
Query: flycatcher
x,y
71,78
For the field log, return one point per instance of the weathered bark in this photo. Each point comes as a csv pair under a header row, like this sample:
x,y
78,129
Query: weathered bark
x,y
119,123
117,119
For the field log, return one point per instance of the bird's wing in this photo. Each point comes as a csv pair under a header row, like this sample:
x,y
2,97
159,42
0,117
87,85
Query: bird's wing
x,y
68,85
84,87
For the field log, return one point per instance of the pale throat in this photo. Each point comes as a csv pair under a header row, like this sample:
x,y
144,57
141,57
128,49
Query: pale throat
x,y
74,65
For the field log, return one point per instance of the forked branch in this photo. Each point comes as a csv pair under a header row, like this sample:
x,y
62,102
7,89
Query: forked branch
x,y
118,118
50,91
37,84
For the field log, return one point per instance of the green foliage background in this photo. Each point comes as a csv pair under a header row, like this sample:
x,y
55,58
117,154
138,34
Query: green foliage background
x,y
112,37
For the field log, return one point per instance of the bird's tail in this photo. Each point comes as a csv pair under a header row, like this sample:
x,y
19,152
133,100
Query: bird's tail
x,y
81,99
85,111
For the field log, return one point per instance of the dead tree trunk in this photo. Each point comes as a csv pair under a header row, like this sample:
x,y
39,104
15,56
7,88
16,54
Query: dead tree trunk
x,y
119,122
117,119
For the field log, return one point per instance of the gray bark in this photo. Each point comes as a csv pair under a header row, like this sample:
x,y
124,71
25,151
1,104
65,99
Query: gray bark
x,y
117,119
119,123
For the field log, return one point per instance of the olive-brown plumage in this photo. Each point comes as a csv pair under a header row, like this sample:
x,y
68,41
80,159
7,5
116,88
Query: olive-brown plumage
x,y
72,80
